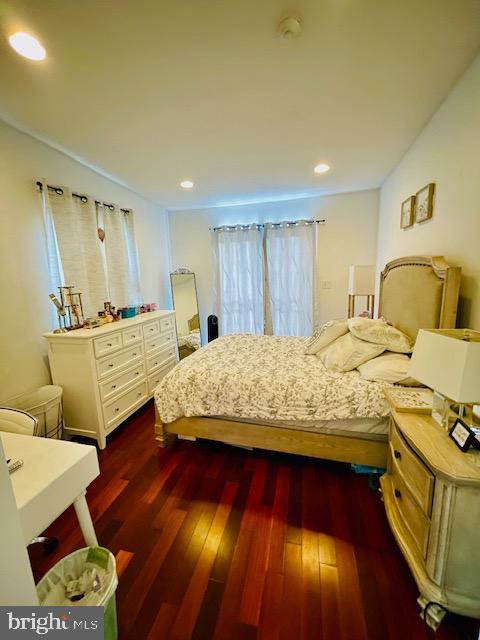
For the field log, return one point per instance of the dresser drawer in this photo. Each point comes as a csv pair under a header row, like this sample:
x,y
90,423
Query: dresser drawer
x,y
155,378
158,359
159,341
415,474
166,324
130,336
107,344
114,386
117,361
151,329
122,405
412,515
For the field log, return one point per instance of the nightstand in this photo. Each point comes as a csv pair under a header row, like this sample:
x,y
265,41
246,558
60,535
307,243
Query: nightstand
x,y
431,493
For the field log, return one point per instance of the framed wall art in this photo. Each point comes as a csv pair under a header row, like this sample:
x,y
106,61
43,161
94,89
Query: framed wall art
x,y
424,203
407,212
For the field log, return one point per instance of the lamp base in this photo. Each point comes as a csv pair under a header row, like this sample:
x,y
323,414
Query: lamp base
x,y
351,304
440,407
446,411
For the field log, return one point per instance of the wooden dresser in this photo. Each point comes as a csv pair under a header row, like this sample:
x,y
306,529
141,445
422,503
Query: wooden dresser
x,y
432,498
107,373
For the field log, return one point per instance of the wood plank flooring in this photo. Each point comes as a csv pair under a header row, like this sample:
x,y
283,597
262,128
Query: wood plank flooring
x,y
214,542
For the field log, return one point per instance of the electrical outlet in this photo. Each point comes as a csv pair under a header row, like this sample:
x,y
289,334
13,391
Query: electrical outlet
x,y
325,284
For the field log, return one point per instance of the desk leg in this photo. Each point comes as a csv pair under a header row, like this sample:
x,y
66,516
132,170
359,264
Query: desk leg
x,y
85,520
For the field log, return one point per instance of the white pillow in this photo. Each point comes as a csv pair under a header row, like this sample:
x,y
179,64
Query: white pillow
x,y
348,352
327,333
389,367
379,332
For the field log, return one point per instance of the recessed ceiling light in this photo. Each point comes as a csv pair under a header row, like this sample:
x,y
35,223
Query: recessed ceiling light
x,y
322,168
27,46
186,184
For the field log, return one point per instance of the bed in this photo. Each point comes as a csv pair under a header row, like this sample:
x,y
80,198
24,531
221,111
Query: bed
x,y
262,392
190,342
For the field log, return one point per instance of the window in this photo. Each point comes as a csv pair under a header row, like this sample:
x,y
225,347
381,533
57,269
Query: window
x,y
265,278
290,261
239,279
102,266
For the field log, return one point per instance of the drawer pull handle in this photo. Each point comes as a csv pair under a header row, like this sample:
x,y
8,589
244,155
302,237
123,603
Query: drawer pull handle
x,y
117,409
397,454
110,364
139,394
114,386
151,330
134,354
398,493
137,373
155,364
133,336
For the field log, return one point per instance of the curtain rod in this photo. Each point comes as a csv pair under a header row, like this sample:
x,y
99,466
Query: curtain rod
x,y
244,227
83,198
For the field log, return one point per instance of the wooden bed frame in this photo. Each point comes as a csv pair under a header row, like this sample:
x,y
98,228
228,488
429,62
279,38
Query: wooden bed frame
x,y
415,292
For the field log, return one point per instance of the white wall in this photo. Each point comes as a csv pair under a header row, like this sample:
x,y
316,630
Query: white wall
x,y
348,237
25,307
447,152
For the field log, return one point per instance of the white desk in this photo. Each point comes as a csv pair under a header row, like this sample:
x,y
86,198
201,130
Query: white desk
x,y
55,474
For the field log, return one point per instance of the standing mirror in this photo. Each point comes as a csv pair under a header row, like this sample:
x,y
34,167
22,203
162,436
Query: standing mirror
x,y
184,293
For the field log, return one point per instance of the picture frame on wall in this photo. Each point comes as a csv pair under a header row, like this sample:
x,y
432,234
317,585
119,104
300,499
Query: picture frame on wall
x,y
424,203
407,212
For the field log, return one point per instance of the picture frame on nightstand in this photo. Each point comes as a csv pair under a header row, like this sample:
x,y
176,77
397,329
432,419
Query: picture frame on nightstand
x,y
463,436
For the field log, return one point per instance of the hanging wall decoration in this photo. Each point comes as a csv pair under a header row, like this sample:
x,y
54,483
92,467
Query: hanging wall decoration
x,y
407,212
424,203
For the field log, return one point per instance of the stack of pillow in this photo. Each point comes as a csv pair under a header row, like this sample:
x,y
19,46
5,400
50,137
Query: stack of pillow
x,y
375,348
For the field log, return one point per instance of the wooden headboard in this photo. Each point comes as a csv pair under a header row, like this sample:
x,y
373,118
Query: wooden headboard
x,y
419,292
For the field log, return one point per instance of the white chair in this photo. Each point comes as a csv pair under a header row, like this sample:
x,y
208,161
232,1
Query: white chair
x,y
17,421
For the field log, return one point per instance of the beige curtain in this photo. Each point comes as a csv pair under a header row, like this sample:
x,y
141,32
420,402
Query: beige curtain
x,y
121,256
79,250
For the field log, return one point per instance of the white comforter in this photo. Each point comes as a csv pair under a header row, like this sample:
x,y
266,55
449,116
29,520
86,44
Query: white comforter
x,y
262,378
191,340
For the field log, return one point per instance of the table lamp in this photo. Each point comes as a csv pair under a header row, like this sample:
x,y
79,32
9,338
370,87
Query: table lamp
x,y
448,361
361,282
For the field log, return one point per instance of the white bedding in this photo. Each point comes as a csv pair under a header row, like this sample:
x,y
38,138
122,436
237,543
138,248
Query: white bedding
x,y
265,378
191,340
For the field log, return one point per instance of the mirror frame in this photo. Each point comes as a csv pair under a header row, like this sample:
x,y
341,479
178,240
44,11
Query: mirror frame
x,y
186,272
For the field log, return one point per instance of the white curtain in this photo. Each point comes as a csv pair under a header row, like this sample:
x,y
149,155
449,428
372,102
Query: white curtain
x,y
71,227
107,271
239,279
121,258
290,277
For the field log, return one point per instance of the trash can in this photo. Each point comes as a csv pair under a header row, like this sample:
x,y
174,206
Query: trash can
x,y
62,585
44,404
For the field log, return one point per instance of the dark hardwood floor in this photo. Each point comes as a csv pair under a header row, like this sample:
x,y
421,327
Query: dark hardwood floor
x,y
217,542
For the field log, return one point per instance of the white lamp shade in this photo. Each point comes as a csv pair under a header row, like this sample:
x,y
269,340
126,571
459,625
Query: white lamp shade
x,y
361,281
447,363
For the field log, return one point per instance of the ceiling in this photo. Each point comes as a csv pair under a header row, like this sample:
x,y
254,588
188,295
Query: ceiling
x,y
154,92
